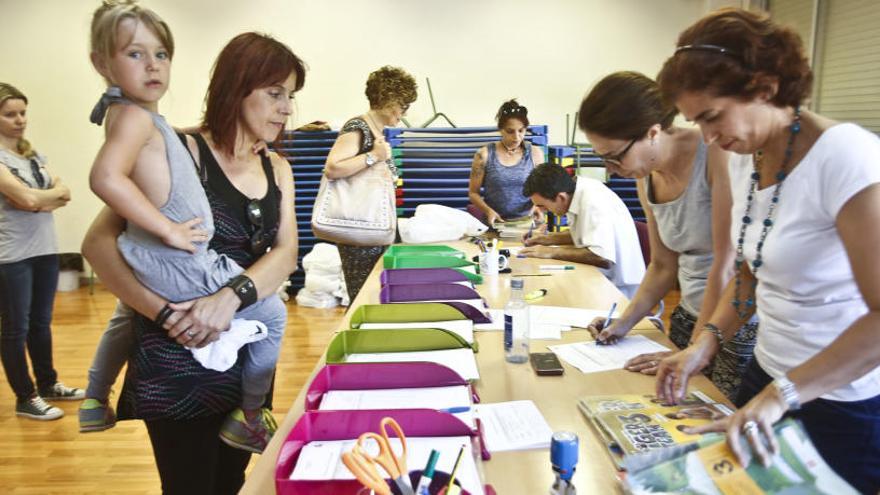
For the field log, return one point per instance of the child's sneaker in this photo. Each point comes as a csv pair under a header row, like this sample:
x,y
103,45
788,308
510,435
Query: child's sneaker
x,y
59,391
95,415
37,408
252,436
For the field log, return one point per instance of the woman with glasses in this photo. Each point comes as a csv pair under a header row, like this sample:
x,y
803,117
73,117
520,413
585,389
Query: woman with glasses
x,y
806,226
684,190
28,264
251,198
500,169
361,144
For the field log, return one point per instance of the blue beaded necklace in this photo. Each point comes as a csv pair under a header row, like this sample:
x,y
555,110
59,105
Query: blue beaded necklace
x,y
743,308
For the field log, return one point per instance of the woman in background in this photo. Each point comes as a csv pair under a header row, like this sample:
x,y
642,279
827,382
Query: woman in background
x,y
28,264
361,145
501,168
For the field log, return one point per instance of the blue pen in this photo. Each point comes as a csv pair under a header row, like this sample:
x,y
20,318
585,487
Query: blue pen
x,y
427,474
456,410
608,319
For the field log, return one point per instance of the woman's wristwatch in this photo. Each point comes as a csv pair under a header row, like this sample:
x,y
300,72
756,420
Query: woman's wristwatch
x,y
244,289
788,392
370,160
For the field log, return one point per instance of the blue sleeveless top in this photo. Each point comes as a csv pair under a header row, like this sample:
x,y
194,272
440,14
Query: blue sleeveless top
x,y
502,184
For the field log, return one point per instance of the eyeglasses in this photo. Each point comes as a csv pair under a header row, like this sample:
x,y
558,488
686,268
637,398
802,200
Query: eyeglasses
x,y
404,107
38,174
255,217
616,158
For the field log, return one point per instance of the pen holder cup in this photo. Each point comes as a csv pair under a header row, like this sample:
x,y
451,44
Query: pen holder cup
x,y
437,486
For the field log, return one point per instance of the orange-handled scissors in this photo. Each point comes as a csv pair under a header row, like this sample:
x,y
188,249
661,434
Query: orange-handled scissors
x,y
365,471
392,463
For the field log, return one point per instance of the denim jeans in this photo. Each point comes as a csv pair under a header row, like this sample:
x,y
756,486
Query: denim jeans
x,y
846,434
27,292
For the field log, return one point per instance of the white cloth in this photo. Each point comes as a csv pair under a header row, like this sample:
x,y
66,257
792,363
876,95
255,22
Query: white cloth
x,y
599,221
221,354
436,223
806,293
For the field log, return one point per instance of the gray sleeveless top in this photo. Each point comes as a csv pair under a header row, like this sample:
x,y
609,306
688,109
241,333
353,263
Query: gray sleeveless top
x,y
685,226
25,234
503,184
173,273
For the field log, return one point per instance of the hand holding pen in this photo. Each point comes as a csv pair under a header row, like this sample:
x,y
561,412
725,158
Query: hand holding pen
x,y
604,330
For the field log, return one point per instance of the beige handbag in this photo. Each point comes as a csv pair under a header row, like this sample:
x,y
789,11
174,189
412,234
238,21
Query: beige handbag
x,y
357,210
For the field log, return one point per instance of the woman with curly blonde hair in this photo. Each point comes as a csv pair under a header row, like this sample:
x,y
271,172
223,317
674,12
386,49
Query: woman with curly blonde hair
x,y
361,145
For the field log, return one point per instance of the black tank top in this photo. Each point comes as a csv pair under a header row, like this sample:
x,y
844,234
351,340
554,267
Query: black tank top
x,y
233,230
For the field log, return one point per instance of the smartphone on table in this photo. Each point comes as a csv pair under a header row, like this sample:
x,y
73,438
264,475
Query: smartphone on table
x,y
546,364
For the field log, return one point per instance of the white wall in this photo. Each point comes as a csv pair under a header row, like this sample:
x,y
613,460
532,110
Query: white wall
x,y
476,52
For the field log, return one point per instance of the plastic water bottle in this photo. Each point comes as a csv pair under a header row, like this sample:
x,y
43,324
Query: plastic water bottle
x,y
516,325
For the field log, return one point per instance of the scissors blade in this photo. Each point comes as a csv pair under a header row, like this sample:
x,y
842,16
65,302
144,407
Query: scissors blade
x,y
404,486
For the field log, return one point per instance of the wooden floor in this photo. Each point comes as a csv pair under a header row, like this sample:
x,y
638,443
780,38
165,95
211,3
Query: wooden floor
x,y
53,457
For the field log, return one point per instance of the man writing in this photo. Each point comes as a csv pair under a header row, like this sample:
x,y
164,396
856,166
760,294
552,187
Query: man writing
x,y
601,230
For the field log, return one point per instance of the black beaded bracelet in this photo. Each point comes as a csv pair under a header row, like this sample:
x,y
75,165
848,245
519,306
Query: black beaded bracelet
x,y
244,289
164,314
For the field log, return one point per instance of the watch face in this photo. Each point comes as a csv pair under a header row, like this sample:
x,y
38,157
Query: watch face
x,y
370,160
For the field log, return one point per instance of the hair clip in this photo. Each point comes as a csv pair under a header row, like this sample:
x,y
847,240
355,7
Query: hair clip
x,y
712,48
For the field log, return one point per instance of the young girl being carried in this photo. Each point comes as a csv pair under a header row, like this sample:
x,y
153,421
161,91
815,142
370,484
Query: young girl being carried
x,y
147,176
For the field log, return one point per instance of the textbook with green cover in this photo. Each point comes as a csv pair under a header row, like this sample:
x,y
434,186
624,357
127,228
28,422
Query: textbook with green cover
x,y
710,468
634,424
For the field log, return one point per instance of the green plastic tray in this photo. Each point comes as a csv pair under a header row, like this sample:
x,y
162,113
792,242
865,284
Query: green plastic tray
x,y
373,341
423,250
402,313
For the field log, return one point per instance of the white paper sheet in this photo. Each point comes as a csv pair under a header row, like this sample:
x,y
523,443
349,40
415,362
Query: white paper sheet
x,y
403,398
515,425
538,330
546,332
562,315
590,357
463,328
461,361
322,460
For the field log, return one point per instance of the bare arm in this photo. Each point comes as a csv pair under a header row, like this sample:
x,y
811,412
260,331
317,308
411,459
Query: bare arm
x,y
99,247
722,249
566,253
659,279
128,131
23,197
478,174
344,159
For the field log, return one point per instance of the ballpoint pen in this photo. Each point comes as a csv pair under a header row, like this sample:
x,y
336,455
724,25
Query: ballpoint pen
x,y
556,267
456,410
610,315
607,321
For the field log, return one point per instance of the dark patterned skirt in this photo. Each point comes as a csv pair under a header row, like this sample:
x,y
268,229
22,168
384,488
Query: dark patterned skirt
x,y
730,363
357,263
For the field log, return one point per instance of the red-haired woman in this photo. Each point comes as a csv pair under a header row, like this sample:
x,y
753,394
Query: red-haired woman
x,y
251,198
806,224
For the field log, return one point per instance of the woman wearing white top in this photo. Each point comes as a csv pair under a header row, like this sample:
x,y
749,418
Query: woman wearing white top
x,y
806,225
